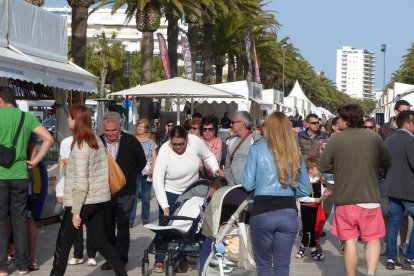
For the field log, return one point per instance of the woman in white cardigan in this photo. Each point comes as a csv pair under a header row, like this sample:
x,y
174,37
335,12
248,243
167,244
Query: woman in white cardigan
x,y
176,168
86,193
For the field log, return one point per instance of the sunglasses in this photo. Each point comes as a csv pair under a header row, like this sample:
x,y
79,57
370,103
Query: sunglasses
x,y
370,127
178,145
314,123
233,122
195,128
208,129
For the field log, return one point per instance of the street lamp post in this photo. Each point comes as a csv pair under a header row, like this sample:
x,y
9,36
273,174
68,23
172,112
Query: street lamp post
x,y
283,69
384,50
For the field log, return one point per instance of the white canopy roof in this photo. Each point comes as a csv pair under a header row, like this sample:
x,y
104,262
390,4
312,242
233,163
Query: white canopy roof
x,y
33,47
176,87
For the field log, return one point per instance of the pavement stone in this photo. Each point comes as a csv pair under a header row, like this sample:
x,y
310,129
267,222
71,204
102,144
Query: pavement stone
x,y
141,238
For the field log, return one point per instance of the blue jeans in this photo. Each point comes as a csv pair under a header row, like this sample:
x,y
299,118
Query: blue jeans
x,y
273,234
143,189
204,253
395,217
161,243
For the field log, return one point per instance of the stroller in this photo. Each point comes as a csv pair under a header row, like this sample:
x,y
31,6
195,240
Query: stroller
x,y
183,230
227,222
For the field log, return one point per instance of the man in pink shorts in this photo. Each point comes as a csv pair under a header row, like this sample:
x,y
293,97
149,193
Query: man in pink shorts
x,y
355,156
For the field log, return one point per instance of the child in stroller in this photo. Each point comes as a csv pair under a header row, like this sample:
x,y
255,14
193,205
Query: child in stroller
x,y
183,232
226,228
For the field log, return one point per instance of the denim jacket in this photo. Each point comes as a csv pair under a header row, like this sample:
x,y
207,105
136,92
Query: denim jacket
x,y
260,174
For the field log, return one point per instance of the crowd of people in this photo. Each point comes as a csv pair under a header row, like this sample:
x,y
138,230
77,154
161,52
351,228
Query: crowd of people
x,y
311,166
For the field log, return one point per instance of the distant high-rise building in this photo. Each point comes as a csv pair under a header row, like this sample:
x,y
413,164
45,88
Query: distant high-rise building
x,y
355,72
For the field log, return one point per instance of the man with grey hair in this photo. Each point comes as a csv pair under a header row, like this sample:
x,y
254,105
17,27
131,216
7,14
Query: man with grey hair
x,y
128,153
239,146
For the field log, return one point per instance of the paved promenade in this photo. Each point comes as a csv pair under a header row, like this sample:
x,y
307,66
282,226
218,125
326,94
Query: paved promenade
x,y
141,237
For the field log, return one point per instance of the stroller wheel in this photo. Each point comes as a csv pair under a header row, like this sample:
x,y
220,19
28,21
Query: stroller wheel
x,y
145,267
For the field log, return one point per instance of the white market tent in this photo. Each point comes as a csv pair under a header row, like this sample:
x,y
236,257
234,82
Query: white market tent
x,y
250,95
179,90
400,91
304,106
33,48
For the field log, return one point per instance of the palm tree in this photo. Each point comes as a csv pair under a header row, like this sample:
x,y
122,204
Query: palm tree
x,y
222,9
107,57
37,3
79,27
172,17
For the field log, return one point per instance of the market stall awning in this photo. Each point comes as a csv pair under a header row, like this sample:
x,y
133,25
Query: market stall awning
x,y
17,65
33,48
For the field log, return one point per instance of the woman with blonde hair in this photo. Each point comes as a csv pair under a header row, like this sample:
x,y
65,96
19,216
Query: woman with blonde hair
x,y
144,178
277,174
86,197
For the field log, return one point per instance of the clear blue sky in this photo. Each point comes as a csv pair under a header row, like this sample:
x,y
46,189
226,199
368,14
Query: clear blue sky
x,y
319,27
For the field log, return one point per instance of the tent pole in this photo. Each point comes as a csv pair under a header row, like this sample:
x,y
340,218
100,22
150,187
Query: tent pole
x,y
178,110
192,106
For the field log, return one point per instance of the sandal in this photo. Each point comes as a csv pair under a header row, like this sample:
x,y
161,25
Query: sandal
x,y
159,268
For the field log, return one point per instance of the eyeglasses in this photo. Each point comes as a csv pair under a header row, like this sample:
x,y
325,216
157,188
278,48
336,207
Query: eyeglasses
x,y
314,123
370,127
195,128
208,129
170,125
178,145
233,122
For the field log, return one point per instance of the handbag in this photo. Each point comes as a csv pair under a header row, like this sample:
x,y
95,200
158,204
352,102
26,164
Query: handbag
x,y
116,177
8,155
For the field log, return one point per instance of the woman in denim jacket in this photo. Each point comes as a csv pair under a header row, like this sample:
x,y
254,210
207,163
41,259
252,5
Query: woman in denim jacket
x,y
277,174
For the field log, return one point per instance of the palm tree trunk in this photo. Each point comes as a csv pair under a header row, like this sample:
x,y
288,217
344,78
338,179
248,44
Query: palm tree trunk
x,y
192,40
219,73
147,49
230,74
79,26
102,90
208,52
219,61
239,69
172,36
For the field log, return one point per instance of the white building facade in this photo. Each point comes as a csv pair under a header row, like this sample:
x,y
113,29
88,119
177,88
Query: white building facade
x,y
126,32
355,72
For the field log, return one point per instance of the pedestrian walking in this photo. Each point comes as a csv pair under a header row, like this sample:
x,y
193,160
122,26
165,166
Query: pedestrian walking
x,y
277,174
86,194
355,156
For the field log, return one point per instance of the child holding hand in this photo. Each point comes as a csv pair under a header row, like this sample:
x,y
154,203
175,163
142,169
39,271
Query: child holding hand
x,y
309,209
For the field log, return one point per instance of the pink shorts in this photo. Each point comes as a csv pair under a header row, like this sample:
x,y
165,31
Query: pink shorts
x,y
353,221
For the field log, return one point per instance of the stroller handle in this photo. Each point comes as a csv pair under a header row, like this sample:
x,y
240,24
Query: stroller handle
x,y
178,218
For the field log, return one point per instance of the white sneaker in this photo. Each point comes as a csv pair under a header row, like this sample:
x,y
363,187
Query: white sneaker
x,y
91,262
75,261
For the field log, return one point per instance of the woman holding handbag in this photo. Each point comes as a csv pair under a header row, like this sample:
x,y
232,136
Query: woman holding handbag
x,y
86,195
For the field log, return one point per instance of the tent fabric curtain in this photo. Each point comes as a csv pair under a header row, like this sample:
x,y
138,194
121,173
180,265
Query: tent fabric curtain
x,y
62,127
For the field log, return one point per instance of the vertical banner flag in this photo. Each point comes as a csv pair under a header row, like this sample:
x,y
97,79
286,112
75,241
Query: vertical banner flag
x,y
248,42
186,51
256,65
164,55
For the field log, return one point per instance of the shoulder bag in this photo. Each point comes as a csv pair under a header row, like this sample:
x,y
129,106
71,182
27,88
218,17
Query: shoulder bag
x,y
116,177
8,155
